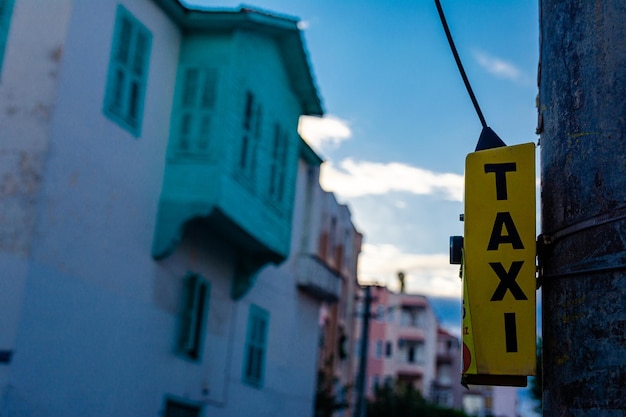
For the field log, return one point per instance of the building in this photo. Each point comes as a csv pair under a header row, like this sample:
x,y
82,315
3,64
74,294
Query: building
x,y
153,211
408,347
446,390
402,341
337,246
484,401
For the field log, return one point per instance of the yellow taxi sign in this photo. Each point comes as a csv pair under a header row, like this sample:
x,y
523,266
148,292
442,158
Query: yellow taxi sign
x,y
499,335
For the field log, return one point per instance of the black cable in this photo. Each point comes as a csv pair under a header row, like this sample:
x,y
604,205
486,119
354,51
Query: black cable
x,y
459,64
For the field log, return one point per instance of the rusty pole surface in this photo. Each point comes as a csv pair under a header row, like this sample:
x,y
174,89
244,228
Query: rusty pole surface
x,y
582,121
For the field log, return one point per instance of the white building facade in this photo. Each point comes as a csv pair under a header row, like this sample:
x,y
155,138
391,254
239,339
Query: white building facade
x,y
150,216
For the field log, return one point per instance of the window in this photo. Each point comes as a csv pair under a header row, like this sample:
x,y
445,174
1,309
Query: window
x,y
194,111
256,346
414,352
193,319
380,312
347,242
6,9
342,345
444,374
412,316
443,397
278,164
388,349
128,72
174,408
252,122
379,349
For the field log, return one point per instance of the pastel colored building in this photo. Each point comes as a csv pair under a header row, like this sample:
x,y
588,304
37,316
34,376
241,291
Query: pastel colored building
x,y
446,391
338,245
157,249
407,346
485,401
402,341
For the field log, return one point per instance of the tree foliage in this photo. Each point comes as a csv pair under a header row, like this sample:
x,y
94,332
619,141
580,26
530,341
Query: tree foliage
x,y
536,386
404,401
326,402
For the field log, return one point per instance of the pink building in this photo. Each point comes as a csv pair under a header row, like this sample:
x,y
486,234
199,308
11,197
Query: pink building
x,y
402,341
407,346
446,390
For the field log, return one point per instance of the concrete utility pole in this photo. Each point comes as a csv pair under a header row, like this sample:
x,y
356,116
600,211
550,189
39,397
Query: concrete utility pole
x,y
361,402
582,122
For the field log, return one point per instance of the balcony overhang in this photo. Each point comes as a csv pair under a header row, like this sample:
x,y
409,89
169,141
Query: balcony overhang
x,y
316,278
252,255
410,375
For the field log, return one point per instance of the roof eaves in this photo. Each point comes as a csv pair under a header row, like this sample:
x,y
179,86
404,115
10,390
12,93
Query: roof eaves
x,y
284,28
308,154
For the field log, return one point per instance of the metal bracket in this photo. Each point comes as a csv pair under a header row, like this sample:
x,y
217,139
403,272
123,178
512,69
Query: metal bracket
x,y
544,248
546,242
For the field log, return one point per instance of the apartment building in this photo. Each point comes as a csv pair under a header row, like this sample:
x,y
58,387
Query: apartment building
x,y
338,247
407,346
446,390
402,341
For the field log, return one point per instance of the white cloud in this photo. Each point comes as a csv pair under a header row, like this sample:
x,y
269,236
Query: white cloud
x,y
303,24
358,178
400,204
500,68
425,274
321,132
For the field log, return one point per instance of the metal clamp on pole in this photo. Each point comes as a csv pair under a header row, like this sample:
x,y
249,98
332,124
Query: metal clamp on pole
x,y
547,242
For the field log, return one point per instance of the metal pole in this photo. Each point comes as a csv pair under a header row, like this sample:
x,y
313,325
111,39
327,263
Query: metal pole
x,y
361,406
582,121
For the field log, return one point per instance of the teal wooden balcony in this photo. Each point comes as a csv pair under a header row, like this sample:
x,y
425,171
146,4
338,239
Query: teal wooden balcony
x,y
243,81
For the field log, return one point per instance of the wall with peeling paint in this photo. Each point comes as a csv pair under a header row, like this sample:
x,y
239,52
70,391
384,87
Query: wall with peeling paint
x,y
27,100
90,317
78,199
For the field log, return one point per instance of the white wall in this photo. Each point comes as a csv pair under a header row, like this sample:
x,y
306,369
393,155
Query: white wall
x,y
99,322
28,83
102,185
290,372
89,325
505,401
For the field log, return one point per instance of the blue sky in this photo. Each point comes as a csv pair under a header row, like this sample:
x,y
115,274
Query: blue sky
x,y
399,122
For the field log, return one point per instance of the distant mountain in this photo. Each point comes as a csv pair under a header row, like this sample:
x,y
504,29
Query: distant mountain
x,y
448,312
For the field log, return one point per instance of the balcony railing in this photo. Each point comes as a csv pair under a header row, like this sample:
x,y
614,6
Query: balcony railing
x,y
316,278
445,356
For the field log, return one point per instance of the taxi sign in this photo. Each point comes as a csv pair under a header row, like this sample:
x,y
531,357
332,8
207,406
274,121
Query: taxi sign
x,y
499,329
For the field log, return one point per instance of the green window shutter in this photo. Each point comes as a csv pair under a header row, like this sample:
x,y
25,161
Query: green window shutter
x,y
6,9
193,316
194,110
252,128
278,164
256,346
128,72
